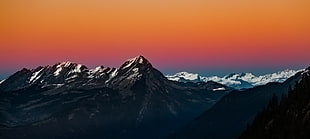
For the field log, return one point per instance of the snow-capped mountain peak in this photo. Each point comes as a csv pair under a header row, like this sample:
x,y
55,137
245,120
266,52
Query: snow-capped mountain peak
x,y
98,69
64,64
236,80
246,76
139,60
72,67
184,77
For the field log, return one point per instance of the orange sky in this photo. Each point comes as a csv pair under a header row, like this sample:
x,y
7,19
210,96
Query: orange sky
x,y
207,32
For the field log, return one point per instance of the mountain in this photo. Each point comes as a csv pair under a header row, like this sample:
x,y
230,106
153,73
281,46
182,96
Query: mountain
x,y
235,80
287,119
230,116
184,77
68,100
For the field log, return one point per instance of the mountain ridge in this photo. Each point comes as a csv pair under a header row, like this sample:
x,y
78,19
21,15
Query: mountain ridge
x,y
235,80
70,100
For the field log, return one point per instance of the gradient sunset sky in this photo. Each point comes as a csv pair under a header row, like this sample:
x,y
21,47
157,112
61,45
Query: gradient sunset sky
x,y
204,36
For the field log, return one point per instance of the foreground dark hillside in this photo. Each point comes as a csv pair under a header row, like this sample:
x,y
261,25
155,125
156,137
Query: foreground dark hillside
x,y
287,119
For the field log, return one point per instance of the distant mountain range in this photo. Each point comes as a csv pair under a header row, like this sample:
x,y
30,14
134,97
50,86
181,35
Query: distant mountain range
x,y
235,80
68,100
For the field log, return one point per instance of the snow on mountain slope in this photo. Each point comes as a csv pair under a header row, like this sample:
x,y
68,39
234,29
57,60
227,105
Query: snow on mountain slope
x,y
235,80
184,76
2,81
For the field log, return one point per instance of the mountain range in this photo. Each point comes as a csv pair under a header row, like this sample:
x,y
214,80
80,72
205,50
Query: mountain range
x,y
68,100
235,80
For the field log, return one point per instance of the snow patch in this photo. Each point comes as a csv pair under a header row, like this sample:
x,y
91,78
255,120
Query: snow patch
x,y
219,89
76,69
98,69
57,72
140,60
97,72
35,76
52,85
135,75
72,77
64,64
135,69
2,81
129,63
61,66
114,73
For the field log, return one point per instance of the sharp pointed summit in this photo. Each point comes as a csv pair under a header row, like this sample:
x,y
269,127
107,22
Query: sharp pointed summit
x,y
136,61
135,69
